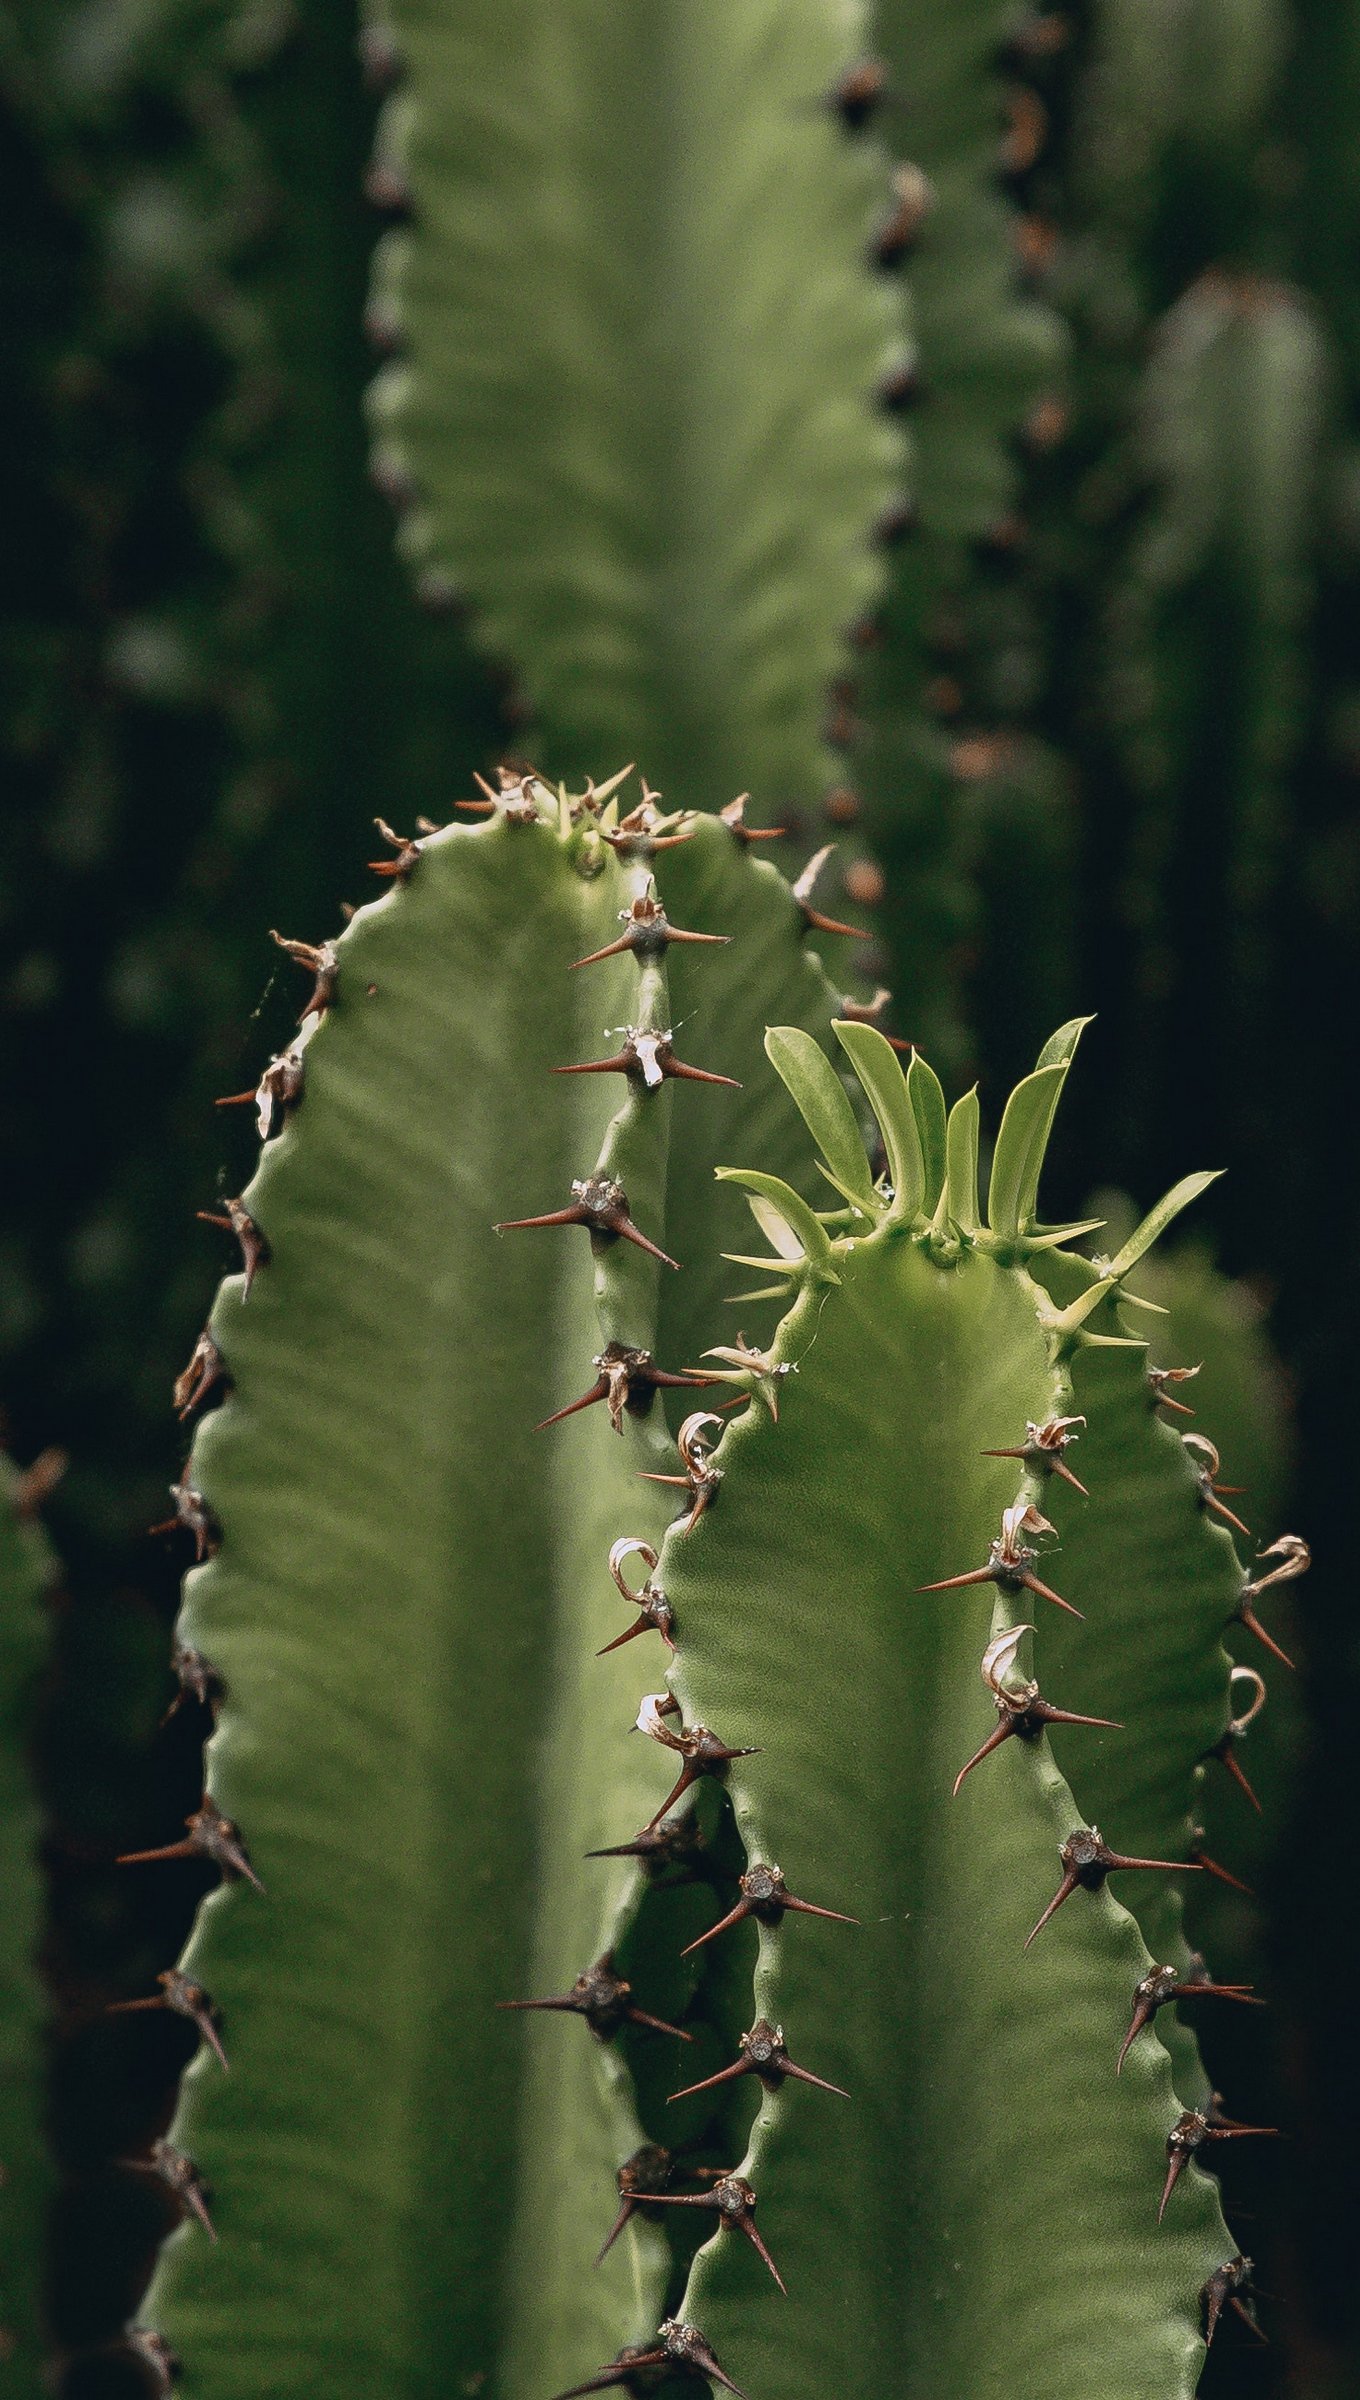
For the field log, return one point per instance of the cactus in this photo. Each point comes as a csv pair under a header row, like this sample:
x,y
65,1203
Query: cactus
x,y
455,1067
25,2179
944,757
639,343
399,1591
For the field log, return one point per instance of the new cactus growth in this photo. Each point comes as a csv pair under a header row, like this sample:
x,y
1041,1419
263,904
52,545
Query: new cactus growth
x,y
432,1754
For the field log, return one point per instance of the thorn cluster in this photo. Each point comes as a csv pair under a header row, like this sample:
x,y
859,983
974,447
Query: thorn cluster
x,y
209,1835
763,2054
1087,1861
702,1751
701,1478
766,1897
606,2002
1022,1709
1010,1561
654,1609
601,1205
626,1378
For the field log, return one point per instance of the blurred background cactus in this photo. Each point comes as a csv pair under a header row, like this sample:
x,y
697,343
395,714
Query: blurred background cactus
x,y
1054,637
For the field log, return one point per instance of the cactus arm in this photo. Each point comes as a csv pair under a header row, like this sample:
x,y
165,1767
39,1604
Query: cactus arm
x,y
985,2120
375,1348
25,2176
689,442
418,1741
983,350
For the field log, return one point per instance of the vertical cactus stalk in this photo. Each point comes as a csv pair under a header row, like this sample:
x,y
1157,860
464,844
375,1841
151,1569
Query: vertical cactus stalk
x,y
405,1586
652,472
945,760
985,2205
424,1794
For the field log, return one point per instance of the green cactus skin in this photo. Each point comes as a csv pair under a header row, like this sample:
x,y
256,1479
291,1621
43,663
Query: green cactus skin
x,y
894,2214
432,1649
25,2173
418,1744
641,346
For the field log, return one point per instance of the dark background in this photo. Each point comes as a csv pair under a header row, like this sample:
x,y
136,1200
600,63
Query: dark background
x,y
215,675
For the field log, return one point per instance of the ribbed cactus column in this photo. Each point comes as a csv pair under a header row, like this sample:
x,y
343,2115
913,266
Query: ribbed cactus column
x,y
406,1584
982,2209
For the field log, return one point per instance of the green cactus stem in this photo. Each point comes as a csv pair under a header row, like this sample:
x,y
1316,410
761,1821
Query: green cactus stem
x,y
432,1755
640,341
416,1743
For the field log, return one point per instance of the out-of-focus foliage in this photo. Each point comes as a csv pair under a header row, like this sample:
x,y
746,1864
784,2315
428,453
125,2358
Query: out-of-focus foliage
x,y
213,669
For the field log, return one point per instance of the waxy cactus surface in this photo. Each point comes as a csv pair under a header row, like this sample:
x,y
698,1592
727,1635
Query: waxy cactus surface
x,y
901,2140
639,345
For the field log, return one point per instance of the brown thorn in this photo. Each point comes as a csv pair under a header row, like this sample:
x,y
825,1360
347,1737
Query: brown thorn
x,y
630,1634
593,958
1064,1892
236,1218
700,1075
747,2226
1070,1716
1143,2013
599,1390
1246,1615
209,1835
556,1216
739,2066
803,2075
1044,1591
733,817
180,1994
205,1370
1221,1874
1176,2166
734,1917
629,2204
630,1233
639,2016
1226,1757
806,1908
1212,1501
993,1742
620,2373
321,961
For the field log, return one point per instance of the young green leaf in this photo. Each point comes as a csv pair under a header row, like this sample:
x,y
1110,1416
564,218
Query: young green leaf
x,y
926,1094
961,1161
1140,1241
877,1065
810,1234
821,1099
1019,1154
